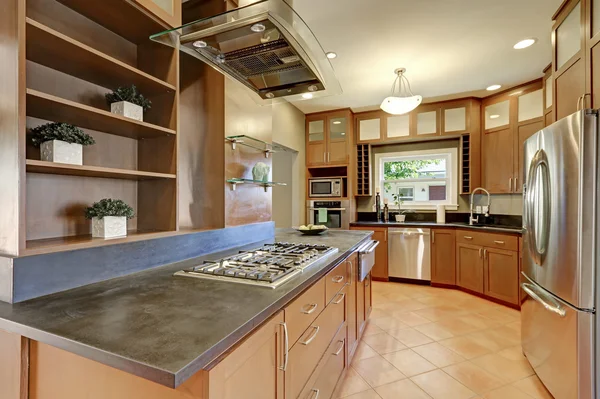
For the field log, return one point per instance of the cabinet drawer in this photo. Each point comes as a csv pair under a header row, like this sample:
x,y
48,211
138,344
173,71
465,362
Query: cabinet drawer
x,y
328,372
491,240
308,351
304,310
335,280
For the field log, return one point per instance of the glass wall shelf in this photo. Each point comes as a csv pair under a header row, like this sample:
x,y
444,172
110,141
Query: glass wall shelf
x,y
265,184
251,142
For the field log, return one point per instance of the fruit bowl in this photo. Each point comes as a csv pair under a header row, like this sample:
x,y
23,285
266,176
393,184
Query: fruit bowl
x,y
312,230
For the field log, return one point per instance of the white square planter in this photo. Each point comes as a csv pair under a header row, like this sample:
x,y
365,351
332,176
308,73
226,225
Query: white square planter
x,y
109,227
128,110
62,152
400,218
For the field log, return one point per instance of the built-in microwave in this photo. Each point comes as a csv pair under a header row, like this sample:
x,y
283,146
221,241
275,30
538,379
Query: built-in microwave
x,y
324,188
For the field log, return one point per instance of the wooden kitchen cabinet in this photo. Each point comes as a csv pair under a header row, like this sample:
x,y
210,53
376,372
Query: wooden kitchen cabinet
x,y
426,121
370,127
501,275
469,267
167,10
368,296
443,259
509,119
380,270
569,57
360,308
351,324
548,96
328,138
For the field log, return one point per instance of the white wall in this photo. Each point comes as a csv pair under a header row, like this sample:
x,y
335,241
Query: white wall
x,y
288,131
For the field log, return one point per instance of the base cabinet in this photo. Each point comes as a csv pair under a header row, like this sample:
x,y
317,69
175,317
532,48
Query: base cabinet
x,y
443,263
469,267
501,275
351,324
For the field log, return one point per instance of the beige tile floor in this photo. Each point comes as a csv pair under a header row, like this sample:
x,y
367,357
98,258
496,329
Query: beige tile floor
x,y
423,342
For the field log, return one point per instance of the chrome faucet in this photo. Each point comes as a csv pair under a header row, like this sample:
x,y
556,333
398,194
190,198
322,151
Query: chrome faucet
x,y
487,209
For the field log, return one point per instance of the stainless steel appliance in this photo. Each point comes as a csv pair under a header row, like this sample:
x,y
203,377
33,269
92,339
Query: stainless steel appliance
x,y
338,213
366,259
266,46
559,332
268,266
409,254
325,188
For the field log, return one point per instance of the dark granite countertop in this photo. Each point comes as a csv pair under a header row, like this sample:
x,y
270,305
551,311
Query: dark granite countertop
x,y
160,327
492,228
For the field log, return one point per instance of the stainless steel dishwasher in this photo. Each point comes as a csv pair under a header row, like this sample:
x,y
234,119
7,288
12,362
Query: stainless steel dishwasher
x,y
409,253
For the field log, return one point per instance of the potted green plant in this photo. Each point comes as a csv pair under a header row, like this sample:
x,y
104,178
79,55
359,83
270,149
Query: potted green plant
x,y
128,102
109,218
398,201
61,142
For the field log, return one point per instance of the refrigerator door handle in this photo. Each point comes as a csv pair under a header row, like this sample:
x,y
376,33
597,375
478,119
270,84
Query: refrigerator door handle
x,y
547,302
539,160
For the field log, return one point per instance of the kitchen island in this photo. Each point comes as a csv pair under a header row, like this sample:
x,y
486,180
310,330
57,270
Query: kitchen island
x,y
169,330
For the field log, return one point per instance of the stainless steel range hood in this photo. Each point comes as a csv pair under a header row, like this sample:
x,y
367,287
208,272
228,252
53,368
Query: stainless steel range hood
x,y
266,46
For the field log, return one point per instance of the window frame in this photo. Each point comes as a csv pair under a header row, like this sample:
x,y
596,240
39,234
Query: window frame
x,y
451,179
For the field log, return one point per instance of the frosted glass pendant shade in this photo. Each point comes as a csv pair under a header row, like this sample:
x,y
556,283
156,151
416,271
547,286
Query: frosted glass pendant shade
x,y
400,105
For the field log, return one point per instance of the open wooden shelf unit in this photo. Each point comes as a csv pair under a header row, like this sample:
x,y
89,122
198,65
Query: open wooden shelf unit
x,y
74,53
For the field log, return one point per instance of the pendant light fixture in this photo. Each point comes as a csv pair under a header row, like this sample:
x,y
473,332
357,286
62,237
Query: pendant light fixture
x,y
405,101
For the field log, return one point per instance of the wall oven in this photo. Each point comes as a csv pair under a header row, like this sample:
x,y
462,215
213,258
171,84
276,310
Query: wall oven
x,y
335,214
325,188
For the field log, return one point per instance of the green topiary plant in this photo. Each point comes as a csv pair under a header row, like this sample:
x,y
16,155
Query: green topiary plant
x,y
129,94
60,131
109,207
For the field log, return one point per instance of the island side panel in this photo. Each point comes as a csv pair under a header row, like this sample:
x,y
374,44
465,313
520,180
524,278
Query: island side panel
x,y
13,366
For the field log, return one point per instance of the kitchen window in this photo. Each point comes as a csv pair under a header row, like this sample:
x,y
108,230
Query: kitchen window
x,y
421,179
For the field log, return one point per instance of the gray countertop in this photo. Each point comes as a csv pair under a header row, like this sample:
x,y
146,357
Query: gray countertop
x,y
160,327
499,229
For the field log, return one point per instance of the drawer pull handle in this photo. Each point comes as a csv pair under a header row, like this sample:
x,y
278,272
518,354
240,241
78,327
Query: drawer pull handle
x,y
468,238
337,279
337,352
315,394
312,337
339,300
311,308
499,242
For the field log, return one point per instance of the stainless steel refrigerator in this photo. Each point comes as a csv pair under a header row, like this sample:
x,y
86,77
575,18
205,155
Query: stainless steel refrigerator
x,y
559,279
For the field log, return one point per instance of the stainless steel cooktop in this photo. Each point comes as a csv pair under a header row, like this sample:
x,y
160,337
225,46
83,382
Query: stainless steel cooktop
x,y
268,266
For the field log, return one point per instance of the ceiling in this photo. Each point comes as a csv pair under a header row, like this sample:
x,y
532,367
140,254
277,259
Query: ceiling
x,y
451,48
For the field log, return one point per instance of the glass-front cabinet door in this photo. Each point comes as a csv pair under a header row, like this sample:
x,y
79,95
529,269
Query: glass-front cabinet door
x,y
369,127
316,143
167,10
426,120
531,105
337,139
398,127
497,115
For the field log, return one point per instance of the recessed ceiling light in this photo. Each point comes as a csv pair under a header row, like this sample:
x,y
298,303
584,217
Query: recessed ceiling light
x,y
337,122
307,96
270,95
343,134
525,43
331,55
494,116
493,87
257,28
199,44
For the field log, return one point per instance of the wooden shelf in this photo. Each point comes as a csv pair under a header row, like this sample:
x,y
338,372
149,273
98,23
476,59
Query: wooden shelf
x,y
48,47
56,109
123,17
34,166
50,245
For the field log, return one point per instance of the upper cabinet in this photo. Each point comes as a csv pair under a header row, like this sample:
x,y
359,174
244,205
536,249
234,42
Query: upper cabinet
x,y
328,138
453,118
509,119
426,120
369,126
569,58
548,97
167,10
